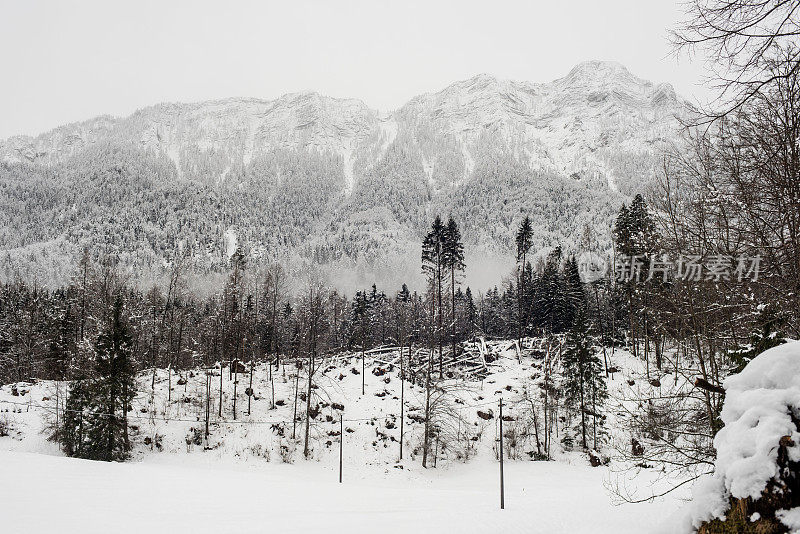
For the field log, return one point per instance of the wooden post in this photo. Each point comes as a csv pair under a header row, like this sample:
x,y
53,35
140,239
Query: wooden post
x,y
208,401
502,481
402,398
341,444
58,427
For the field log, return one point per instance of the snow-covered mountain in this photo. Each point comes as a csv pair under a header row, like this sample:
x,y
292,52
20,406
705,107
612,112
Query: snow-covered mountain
x,y
233,130
561,126
598,105
310,173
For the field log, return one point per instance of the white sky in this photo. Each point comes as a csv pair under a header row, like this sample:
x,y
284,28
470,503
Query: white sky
x,y
63,61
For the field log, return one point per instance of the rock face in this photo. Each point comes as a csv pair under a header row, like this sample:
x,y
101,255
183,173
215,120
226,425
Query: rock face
x,y
558,125
598,106
568,152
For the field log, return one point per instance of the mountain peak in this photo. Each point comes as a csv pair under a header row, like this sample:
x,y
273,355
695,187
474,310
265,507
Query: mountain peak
x,y
478,83
483,77
599,69
598,80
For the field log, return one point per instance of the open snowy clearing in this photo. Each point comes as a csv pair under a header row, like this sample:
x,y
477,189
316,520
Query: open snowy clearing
x,y
39,492
240,484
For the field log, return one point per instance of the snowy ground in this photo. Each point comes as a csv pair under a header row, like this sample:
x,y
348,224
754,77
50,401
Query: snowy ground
x,y
240,483
39,492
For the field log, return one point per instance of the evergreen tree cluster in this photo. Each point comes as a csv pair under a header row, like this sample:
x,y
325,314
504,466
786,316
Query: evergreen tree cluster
x,y
95,424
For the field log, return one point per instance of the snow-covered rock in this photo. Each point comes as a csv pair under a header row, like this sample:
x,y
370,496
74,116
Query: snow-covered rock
x,y
760,415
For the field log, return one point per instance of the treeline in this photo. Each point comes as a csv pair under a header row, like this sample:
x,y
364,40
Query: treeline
x,y
260,315
259,312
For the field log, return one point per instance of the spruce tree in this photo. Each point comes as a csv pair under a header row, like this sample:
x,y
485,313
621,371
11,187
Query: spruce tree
x,y
78,418
361,315
574,292
96,421
550,296
63,346
768,333
471,312
636,239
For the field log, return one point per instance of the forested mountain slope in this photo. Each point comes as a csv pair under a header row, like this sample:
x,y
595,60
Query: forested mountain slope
x,y
312,178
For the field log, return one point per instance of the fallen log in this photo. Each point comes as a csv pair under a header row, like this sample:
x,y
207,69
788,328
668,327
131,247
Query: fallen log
x,y
708,386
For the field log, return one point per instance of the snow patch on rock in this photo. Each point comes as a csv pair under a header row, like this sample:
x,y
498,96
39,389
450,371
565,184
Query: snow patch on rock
x,y
231,242
388,128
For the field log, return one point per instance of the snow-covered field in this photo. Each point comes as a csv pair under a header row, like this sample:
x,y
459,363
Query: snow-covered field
x,y
240,481
80,496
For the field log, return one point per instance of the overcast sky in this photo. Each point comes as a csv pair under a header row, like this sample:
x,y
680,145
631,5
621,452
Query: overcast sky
x,y
63,61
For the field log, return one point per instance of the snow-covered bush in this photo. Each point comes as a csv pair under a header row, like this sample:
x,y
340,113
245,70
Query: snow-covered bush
x,y
5,425
194,437
259,451
287,450
755,485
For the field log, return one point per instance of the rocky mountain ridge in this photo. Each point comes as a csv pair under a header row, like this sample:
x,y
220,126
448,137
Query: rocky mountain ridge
x,y
332,181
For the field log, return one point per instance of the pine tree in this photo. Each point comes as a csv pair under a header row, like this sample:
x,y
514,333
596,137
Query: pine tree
x,y
584,381
524,242
454,262
433,266
96,421
574,292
